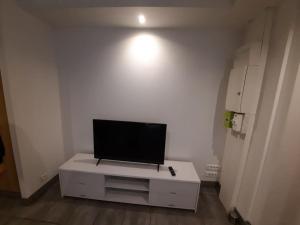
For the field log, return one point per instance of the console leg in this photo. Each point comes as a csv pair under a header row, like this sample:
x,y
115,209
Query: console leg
x,y
98,162
158,167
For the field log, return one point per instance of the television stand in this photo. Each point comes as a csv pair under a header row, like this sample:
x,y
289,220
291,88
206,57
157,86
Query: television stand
x,y
139,184
158,167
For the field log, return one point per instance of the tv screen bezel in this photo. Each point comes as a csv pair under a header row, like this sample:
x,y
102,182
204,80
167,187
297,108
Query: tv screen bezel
x,y
158,162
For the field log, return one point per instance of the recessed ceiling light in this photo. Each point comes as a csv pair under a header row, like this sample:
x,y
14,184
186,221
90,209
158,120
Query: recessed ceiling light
x,y
141,19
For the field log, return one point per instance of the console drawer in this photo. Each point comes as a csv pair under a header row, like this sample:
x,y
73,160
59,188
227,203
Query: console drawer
x,y
169,200
82,191
82,178
174,188
84,185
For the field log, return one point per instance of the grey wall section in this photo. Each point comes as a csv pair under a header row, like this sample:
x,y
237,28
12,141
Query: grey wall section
x,y
32,96
169,76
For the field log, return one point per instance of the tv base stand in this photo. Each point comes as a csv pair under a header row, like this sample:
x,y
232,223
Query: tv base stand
x,y
130,183
98,162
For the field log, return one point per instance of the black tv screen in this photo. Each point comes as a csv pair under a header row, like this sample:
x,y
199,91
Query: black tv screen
x,y
129,141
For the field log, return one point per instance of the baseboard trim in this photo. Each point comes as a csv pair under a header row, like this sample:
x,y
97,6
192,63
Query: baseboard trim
x,y
39,192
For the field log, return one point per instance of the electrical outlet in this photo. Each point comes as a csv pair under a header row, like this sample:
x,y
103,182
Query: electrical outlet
x,y
44,177
212,174
213,167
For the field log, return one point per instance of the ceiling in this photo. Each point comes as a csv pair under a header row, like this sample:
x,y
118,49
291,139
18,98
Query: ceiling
x,y
159,13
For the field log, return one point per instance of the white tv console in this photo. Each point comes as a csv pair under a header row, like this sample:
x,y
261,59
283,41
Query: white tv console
x,y
130,183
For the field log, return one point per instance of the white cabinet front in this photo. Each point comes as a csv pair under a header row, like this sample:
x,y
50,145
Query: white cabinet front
x,y
235,89
243,89
251,90
168,200
173,194
83,185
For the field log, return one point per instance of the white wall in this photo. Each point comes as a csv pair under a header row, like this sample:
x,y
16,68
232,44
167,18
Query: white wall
x,y
32,96
269,191
277,199
279,38
237,145
168,76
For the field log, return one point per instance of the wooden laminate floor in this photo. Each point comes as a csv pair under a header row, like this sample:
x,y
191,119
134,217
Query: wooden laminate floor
x,y
50,208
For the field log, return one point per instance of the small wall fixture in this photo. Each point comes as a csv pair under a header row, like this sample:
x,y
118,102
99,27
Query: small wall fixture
x,y
141,19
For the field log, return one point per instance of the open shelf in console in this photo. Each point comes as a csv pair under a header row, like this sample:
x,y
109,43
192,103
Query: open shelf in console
x,y
127,196
127,183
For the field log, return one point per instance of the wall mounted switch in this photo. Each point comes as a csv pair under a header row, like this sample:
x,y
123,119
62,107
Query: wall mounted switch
x,y
237,122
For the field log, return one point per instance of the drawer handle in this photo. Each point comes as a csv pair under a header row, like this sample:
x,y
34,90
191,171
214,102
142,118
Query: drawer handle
x,y
81,183
172,205
82,195
173,193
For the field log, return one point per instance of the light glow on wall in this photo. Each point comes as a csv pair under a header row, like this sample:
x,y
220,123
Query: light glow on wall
x,y
144,49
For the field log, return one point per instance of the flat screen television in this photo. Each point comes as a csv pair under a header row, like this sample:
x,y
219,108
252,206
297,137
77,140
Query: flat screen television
x,y
129,141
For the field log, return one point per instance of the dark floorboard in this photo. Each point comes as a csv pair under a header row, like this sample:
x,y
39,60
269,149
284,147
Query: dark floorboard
x,y
50,208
